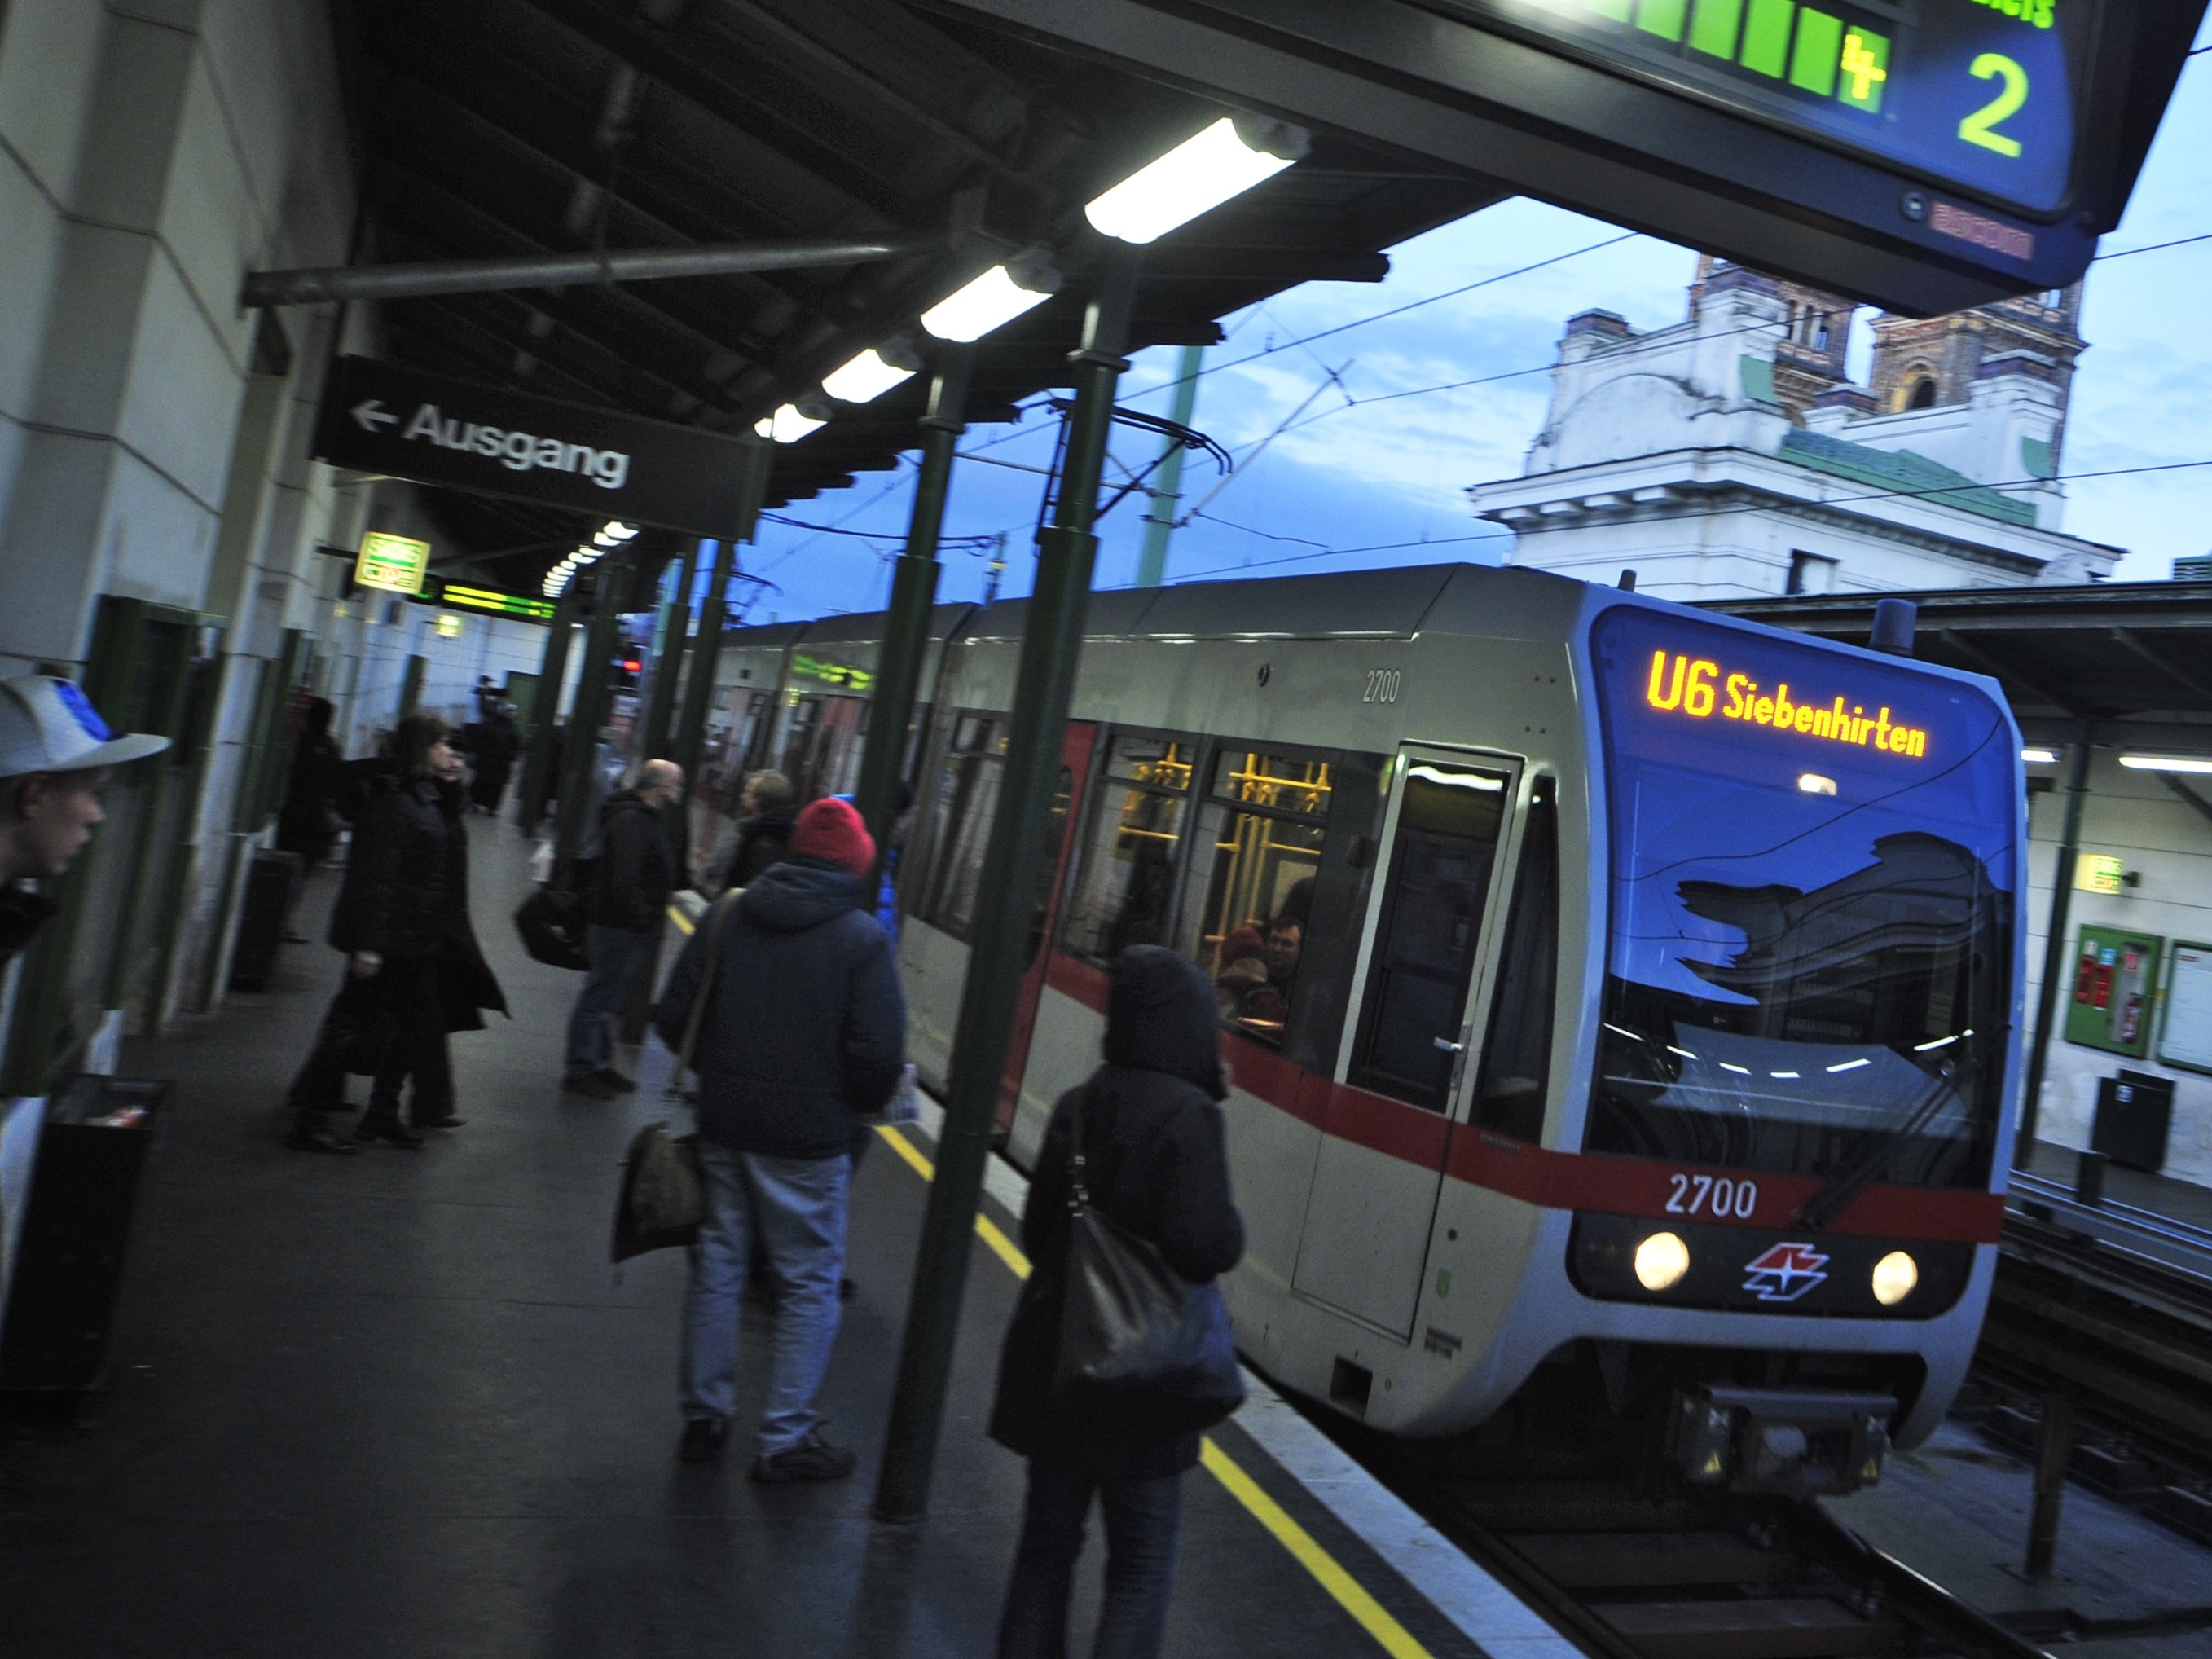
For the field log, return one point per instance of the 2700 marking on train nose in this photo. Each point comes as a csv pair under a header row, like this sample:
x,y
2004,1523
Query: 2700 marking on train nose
x,y
1714,1195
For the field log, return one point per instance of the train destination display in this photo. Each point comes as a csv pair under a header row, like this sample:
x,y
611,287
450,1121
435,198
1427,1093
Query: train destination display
x,y
1979,96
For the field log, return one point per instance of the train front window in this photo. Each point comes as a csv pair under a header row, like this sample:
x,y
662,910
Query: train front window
x,y
1810,962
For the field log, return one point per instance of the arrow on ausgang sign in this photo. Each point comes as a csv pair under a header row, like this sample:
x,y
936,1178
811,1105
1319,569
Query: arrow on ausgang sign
x,y
379,418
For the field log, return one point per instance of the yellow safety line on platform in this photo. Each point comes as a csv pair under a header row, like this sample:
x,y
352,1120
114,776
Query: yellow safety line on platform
x,y
1348,1592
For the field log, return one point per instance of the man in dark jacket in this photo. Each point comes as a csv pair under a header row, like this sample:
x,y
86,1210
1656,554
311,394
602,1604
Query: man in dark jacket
x,y
804,1030
630,885
498,741
766,800
1155,1161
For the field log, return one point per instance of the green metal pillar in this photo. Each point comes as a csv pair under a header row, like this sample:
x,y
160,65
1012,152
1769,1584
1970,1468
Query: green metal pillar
x,y
1067,551
914,594
582,752
667,661
689,750
1166,486
537,779
2054,946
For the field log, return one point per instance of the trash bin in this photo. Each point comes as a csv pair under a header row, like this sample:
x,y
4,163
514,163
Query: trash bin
x,y
2135,1111
77,1226
271,882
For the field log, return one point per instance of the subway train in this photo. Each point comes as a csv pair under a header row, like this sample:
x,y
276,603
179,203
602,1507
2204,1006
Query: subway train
x,y
1621,1001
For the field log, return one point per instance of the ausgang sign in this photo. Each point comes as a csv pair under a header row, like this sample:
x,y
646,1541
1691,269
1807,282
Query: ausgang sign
x,y
377,418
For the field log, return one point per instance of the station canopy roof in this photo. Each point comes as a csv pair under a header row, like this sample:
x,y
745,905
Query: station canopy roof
x,y
496,128
2132,659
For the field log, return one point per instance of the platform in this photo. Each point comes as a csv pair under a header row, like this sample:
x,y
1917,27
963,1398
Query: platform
x,y
2161,1195
399,1404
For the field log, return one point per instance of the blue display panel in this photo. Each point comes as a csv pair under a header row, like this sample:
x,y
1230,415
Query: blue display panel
x,y
1984,96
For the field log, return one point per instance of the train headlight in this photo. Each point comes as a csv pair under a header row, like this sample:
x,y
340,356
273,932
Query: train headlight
x,y
1894,1277
1661,1261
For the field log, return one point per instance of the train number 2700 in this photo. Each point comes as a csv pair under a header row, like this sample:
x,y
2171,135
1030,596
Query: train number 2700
x,y
1382,685
1699,1194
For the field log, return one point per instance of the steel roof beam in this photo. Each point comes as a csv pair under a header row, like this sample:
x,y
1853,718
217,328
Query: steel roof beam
x,y
655,55
2194,679
1981,657
338,282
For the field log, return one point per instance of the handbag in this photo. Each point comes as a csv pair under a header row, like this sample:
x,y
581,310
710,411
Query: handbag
x,y
1133,1329
662,1196
551,923
358,1028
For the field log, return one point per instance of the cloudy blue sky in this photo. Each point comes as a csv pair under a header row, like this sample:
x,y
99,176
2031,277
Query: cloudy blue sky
x,y
1366,477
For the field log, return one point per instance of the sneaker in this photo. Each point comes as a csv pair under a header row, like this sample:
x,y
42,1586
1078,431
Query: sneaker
x,y
590,1084
390,1131
703,1439
616,1081
812,1459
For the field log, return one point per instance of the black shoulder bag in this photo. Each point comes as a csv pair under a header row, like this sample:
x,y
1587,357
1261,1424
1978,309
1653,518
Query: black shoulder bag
x,y
1131,1326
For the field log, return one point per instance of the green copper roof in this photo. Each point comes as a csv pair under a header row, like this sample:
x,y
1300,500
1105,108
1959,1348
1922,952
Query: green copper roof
x,y
1758,376
1902,470
2035,456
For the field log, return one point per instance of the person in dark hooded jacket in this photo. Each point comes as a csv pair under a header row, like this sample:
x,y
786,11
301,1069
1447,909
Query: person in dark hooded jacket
x,y
414,972
804,1031
1155,1161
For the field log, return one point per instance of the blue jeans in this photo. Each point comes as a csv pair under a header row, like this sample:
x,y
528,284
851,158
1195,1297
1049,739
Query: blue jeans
x,y
1142,1520
617,957
798,1206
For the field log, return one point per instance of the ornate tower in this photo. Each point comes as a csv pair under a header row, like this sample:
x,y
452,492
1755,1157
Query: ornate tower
x,y
1810,360
1935,362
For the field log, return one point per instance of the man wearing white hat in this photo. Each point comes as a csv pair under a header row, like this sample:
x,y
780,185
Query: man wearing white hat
x,y
55,753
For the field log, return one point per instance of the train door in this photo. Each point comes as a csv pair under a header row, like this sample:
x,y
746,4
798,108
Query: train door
x,y
1413,1016
1075,747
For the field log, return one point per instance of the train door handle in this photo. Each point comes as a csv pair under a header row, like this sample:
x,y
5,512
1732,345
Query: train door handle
x,y
1450,1047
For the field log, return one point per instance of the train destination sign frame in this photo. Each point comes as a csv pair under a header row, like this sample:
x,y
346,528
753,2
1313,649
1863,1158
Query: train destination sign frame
x,y
1920,155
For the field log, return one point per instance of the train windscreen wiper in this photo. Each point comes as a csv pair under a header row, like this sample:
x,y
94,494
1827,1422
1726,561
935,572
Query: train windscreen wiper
x,y
1824,1205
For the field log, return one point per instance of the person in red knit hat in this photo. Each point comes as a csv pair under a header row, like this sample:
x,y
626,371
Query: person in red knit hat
x,y
804,1034
832,832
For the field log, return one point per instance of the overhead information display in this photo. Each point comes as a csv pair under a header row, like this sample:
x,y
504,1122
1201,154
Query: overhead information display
x,y
1977,94
1922,155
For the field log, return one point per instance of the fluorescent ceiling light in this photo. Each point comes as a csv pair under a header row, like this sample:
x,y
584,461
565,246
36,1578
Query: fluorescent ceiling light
x,y
867,377
2165,764
1197,175
787,425
991,300
2040,757
1814,783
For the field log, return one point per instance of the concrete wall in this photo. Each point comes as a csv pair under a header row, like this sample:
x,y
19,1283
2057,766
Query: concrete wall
x,y
2133,816
151,152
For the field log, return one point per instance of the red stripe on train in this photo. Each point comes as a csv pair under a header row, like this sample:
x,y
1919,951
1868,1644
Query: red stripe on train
x,y
1536,1174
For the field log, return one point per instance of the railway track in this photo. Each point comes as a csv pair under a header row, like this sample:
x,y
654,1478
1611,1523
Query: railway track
x,y
1631,1578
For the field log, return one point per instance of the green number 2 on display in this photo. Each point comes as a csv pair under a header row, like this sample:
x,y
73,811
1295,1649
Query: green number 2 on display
x,y
1979,128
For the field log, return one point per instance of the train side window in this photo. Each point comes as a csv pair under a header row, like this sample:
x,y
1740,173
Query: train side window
x,y
960,809
1508,1095
1430,926
1256,856
1125,884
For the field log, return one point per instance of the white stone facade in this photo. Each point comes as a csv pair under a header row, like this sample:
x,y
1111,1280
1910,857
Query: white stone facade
x,y
1674,453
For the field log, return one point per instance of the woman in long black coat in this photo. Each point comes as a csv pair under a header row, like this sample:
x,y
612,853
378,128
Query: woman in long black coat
x,y
1155,1161
414,972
